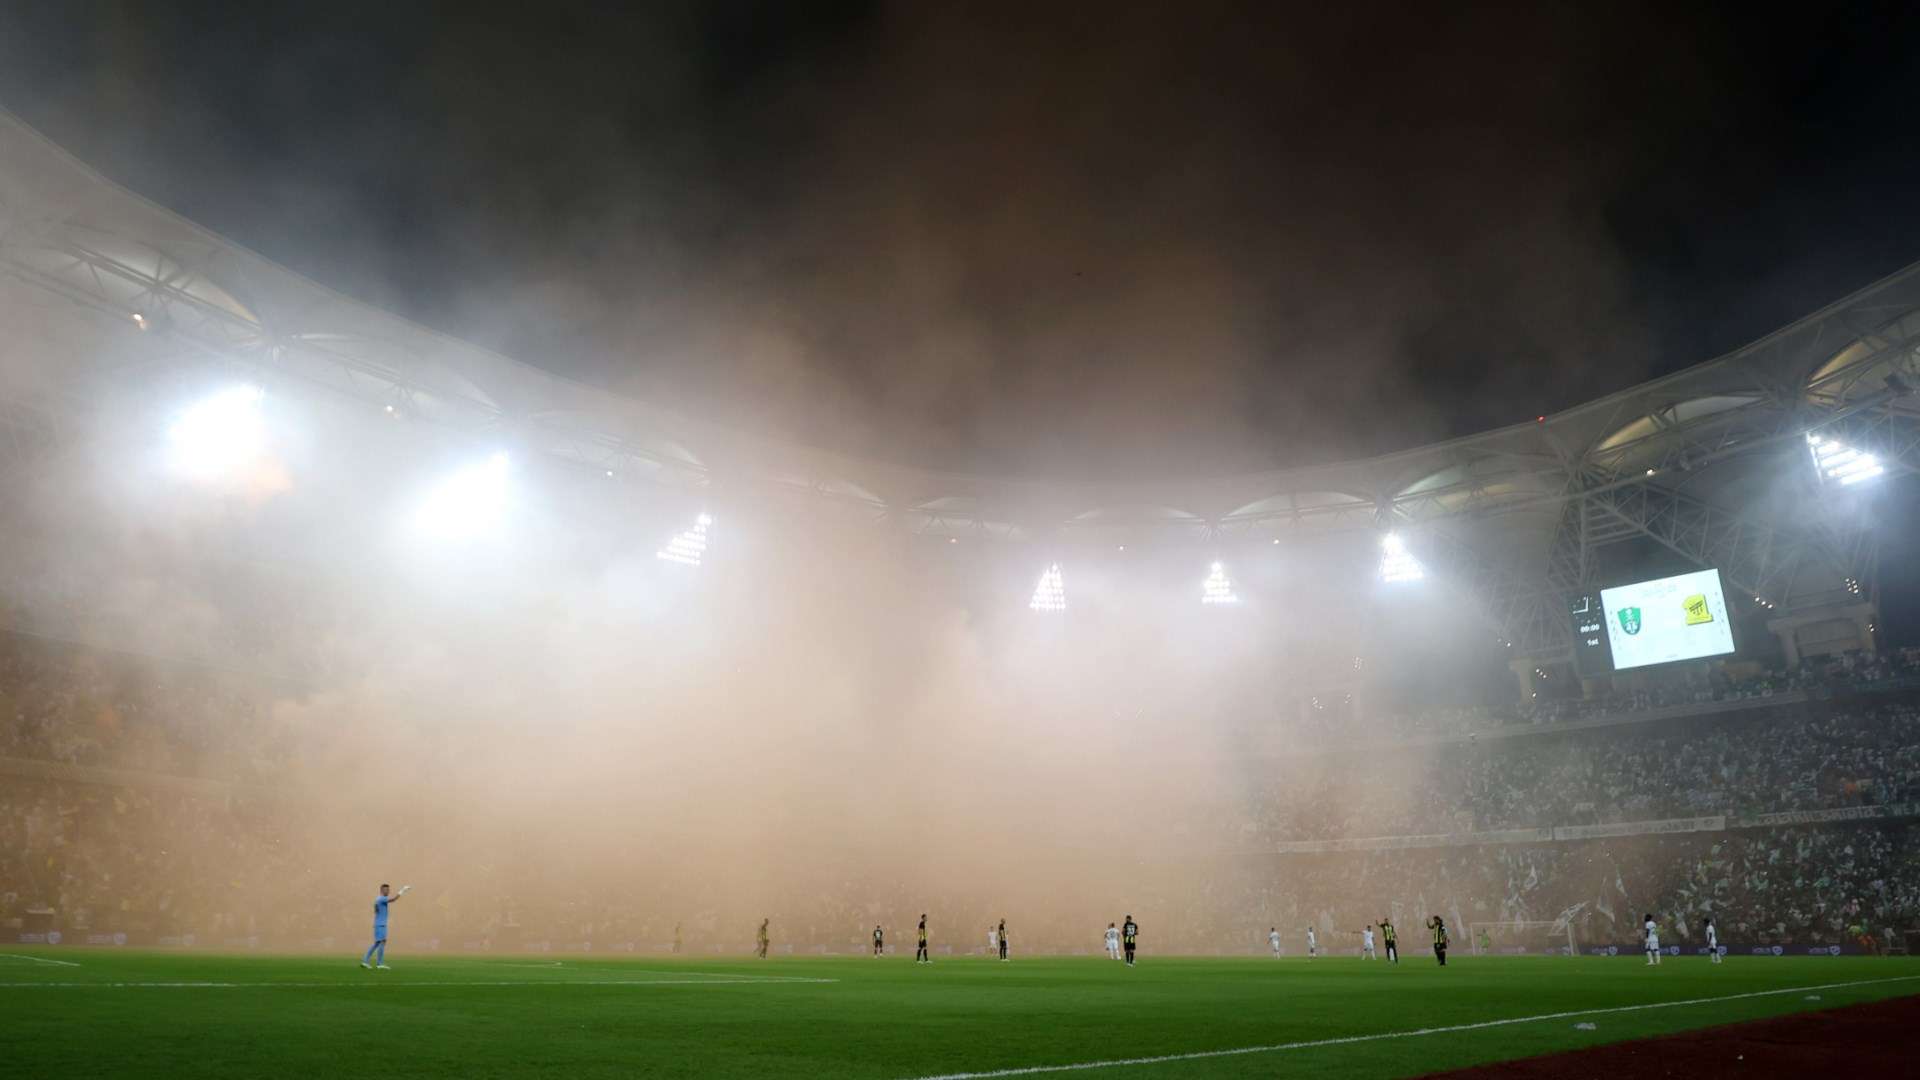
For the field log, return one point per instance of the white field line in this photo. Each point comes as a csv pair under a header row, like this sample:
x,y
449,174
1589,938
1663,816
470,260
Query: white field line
x,y
37,959
1115,1063
377,981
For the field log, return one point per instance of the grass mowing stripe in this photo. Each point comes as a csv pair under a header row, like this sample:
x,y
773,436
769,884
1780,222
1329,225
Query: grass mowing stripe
x,y
589,965
743,980
1198,1055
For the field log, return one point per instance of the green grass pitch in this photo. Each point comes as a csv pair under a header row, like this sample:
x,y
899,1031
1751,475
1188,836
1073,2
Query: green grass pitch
x,y
125,1013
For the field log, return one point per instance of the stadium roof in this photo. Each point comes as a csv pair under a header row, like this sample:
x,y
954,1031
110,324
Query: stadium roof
x,y
1691,460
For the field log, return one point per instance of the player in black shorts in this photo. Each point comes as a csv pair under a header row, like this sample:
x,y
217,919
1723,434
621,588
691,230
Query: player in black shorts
x,y
922,957
1003,940
1129,936
878,940
1393,949
1439,927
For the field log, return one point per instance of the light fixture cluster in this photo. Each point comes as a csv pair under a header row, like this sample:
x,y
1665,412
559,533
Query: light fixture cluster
x,y
468,504
688,546
1397,565
1217,589
218,435
1838,462
1050,595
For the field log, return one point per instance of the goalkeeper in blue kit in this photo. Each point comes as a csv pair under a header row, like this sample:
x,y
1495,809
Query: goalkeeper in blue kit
x,y
377,952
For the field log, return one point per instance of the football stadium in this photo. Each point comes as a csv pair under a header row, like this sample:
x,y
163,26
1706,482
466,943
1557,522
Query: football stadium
x,y
374,701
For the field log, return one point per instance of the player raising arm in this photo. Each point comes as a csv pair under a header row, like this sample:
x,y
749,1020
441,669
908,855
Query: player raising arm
x,y
377,952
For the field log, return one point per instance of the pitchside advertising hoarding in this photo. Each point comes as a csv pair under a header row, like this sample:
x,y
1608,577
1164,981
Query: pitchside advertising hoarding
x,y
1651,622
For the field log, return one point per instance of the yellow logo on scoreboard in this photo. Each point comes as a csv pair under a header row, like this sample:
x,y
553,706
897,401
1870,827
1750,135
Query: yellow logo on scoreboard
x,y
1697,610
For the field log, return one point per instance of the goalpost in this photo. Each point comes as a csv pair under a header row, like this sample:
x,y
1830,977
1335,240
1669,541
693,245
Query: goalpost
x,y
1553,937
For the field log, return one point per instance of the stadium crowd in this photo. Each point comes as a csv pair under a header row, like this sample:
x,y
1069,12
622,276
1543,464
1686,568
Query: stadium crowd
x,y
1793,757
79,706
1851,670
140,800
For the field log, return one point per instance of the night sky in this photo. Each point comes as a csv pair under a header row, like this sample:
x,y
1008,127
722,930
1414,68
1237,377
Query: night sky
x,y
1092,241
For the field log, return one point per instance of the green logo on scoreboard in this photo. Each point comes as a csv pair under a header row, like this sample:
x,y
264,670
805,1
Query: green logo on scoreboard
x,y
1630,620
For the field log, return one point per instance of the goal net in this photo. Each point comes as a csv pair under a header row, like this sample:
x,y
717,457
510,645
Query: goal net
x,y
1550,938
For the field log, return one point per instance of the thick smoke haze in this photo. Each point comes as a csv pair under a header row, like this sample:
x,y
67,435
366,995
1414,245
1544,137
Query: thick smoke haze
x,y
825,714
1112,240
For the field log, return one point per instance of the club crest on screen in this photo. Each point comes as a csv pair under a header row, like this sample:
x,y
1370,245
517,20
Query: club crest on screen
x,y
1630,620
1697,610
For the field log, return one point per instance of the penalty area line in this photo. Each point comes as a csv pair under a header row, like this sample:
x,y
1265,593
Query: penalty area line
x,y
37,959
1307,1044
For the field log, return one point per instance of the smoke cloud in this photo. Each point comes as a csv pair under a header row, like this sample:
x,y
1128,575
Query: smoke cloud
x,y
1119,242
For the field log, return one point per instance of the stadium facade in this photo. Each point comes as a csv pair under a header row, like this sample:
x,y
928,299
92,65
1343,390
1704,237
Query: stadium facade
x,y
113,303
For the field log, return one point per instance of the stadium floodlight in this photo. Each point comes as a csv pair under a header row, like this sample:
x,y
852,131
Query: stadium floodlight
x,y
1836,461
1396,564
469,503
1217,589
1051,594
219,434
688,546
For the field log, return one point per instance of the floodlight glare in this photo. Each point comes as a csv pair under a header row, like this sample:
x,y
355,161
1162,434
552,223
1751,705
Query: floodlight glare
x,y
1051,594
688,546
1835,460
469,503
1396,564
218,435
1217,589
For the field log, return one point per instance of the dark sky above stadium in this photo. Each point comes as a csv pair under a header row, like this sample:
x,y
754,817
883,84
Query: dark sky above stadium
x,y
1095,239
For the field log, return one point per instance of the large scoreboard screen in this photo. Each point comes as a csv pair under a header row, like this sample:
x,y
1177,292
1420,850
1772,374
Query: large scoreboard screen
x,y
1650,622
1676,618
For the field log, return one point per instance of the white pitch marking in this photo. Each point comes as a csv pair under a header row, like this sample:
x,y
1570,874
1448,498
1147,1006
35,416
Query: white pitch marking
x,y
37,959
384,981
1160,1059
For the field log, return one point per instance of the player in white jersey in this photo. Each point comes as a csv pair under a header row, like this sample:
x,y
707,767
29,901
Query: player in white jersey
x,y
1713,941
1650,931
1113,941
1273,940
993,943
1313,944
1366,943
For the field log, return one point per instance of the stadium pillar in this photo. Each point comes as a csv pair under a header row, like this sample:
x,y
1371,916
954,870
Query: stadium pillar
x,y
1522,669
